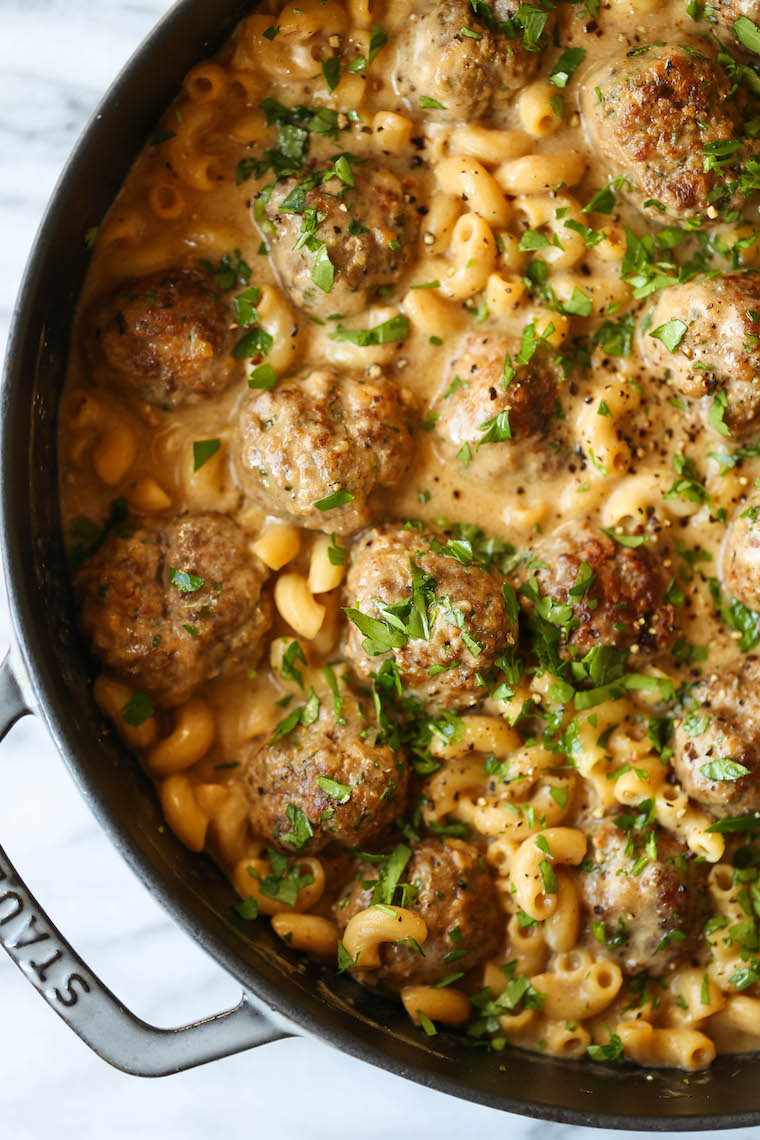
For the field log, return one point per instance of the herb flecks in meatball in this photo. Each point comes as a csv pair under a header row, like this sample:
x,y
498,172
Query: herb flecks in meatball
x,y
454,894
716,743
168,605
641,892
458,66
488,403
318,448
615,595
441,622
163,338
333,243
332,781
667,119
704,339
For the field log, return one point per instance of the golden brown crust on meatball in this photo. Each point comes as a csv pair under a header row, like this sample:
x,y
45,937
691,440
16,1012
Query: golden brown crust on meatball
x,y
651,112
467,75
649,912
168,605
719,349
474,391
740,560
303,768
468,622
625,603
727,12
313,437
368,232
163,338
721,728
458,902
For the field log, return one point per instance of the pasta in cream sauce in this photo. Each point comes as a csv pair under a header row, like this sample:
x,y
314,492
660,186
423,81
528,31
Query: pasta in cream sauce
x,y
410,447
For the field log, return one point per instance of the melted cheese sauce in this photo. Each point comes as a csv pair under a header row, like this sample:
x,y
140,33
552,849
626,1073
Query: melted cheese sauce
x,y
608,458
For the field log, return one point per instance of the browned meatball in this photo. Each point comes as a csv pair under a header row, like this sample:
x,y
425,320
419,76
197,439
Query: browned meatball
x,y
168,605
651,112
319,436
349,787
474,392
624,603
455,613
648,906
164,338
740,561
465,74
367,232
727,12
456,899
721,730
719,351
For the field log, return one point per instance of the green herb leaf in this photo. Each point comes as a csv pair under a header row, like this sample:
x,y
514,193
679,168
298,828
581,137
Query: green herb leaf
x,y
331,72
562,72
426,1023
288,671
496,430
671,333
138,709
723,769
390,331
630,540
341,793
248,909
390,874
323,270
263,377
203,449
431,104
337,499
612,1051
736,616
300,831
747,33
377,40
718,409
256,342
184,582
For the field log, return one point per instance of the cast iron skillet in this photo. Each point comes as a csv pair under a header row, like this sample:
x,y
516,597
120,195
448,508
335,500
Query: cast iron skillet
x,y
49,673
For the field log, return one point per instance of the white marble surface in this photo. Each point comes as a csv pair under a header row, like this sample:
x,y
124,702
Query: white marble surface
x,y
56,58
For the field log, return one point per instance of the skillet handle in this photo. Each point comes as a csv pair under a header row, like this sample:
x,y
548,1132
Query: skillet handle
x,y
80,998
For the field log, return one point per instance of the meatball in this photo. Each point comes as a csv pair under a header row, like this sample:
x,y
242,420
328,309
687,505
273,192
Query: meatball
x,y
168,605
652,112
727,12
367,232
163,338
455,614
618,601
456,899
721,729
740,560
650,915
718,351
348,785
466,75
317,436
476,389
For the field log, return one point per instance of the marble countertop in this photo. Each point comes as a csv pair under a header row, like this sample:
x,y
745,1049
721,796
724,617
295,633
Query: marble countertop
x,y
56,59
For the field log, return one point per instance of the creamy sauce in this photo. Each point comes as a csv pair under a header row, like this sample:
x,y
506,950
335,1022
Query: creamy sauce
x,y
607,459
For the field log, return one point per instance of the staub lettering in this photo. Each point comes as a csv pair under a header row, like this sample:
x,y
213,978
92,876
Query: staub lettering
x,y
21,929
